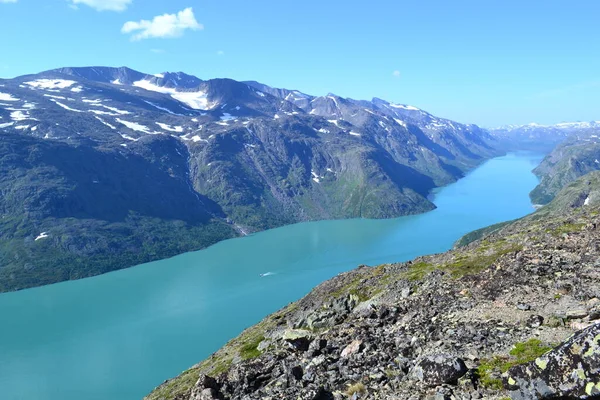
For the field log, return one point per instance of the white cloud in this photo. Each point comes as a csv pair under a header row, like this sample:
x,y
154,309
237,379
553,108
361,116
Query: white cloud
x,y
104,5
396,74
220,53
8,1
163,26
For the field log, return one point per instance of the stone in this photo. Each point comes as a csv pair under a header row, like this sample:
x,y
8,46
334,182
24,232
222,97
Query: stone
x,y
352,348
535,321
576,313
297,372
571,370
523,307
322,394
298,339
437,369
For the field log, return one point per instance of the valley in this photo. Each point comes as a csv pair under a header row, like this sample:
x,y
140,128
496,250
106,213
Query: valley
x,y
120,334
205,200
136,168
117,167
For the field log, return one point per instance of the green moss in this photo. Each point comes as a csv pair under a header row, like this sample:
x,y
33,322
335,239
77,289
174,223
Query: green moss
x,y
474,263
364,292
488,369
522,353
361,294
529,351
250,349
566,228
418,271
465,263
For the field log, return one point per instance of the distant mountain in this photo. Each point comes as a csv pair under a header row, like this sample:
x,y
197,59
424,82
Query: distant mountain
x,y
578,155
110,167
539,137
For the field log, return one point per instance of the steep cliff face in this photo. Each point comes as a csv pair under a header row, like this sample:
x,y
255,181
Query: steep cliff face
x,y
465,324
105,168
577,156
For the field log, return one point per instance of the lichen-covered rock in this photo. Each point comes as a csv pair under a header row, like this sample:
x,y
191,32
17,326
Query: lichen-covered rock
x,y
437,369
571,370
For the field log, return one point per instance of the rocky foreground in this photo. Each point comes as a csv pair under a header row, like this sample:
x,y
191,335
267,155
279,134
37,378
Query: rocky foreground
x,y
494,319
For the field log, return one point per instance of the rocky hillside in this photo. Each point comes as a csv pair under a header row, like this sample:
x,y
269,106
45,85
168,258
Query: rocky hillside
x,y
104,168
573,158
490,320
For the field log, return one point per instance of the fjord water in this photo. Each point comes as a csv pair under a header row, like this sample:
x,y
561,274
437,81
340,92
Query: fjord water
x,y
118,335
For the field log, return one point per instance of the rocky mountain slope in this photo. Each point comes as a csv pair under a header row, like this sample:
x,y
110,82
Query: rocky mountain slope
x,y
105,168
575,157
540,137
483,321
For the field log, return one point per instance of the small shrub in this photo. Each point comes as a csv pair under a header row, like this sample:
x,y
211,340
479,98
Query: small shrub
x,y
356,388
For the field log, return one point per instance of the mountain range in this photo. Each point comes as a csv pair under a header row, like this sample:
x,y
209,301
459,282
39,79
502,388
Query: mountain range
x,y
540,137
105,168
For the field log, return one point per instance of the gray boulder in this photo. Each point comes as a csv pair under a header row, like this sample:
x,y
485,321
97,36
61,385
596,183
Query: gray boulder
x,y
436,369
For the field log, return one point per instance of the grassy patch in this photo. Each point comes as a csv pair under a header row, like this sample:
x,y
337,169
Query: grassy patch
x,y
364,292
529,351
566,228
465,263
522,353
418,271
250,349
474,263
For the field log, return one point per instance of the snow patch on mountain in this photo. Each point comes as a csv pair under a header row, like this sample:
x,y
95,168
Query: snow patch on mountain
x,y
19,115
404,107
42,235
50,84
170,128
134,126
66,107
105,123
163,109
400,122
227,117
196,100
115,110
7,97
52,96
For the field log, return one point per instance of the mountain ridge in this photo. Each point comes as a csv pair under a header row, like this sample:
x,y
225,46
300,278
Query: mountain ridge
x,y
249,160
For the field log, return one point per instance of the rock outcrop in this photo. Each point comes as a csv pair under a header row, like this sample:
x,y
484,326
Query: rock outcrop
x,y
569,371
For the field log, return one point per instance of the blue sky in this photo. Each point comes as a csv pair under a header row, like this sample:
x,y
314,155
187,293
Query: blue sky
x,y
486,62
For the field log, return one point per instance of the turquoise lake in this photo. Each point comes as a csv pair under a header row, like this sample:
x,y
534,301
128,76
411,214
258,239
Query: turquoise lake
x,y
117,336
